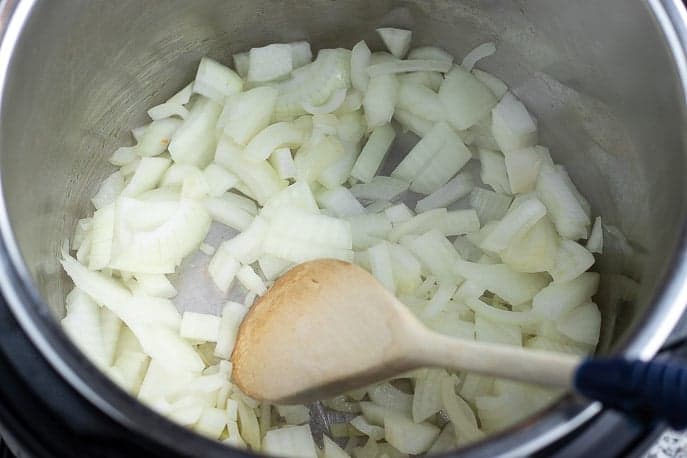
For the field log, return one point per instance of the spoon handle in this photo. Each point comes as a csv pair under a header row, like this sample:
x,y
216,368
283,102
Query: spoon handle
x,y
653,390
535,366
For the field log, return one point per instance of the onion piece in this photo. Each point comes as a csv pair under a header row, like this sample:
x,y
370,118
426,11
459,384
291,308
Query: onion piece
x,y
455,189
381,266
174,106
477,54
595,243
241,63
332,449
246,114
497,87
459,412
291,441
260,178
490,206
380,188
338,172
269,62
502,316
572,259
534,250
380,99
156,137
407,436
493,172
340,201
398,213
431,53
397,41
439,300
278,135
421,101
219,180
465,99
360,60
191,143
437,255
512,125
102,235
199,326
523,166
109,190
559,195
407,66
373,153
301,54
514,287
447,161
147,175
332,104
517,221
215,81
413,123
581,324
232,315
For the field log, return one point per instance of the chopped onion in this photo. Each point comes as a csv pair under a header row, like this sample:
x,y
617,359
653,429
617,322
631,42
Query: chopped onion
x,y
492,283
398,213
278,135
232,315
595,244
156,137
301,53
199,327
291,441
494,171
465,99
269,62
332,104
408,436
251,281
477,54
380,99
512,125
455,189
517,221
247,113
431,53
340,201
215,81
397,41
413,123
515,287
581,324
523,166
380,188
219,180
373,153
406,66
420,101
191,144
497,87
560,199
109,190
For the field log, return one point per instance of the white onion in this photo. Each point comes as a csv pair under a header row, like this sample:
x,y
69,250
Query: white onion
x,y
230,154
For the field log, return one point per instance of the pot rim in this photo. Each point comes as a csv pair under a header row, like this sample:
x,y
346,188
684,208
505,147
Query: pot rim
x,y
540,430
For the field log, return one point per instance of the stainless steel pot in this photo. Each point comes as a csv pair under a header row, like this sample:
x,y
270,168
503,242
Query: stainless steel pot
x,y
606,79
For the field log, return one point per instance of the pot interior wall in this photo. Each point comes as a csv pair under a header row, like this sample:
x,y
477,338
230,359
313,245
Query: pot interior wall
x,y
597,75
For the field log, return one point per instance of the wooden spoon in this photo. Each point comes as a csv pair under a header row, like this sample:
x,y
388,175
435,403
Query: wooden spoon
x,y
328,326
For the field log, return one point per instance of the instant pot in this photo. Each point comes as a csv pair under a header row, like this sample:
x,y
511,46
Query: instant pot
x,y
606,79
